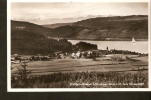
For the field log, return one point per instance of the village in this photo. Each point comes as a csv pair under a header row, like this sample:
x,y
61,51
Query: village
x,y
78,53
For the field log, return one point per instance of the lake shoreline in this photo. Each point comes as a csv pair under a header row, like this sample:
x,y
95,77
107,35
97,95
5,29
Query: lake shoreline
x,y
138,46
109,40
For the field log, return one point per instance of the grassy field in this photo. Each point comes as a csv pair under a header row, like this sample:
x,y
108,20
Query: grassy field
x,y
79,65
83,73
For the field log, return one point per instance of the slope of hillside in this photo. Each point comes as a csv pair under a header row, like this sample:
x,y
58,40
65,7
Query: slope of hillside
x,y
27,38
113,22
65,31
101,28
119,28
30,27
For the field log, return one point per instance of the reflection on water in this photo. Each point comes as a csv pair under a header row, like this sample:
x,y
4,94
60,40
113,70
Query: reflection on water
x,y
139,46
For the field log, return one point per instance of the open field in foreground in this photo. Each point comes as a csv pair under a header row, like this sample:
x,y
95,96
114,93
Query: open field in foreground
x,y
83,73
91,79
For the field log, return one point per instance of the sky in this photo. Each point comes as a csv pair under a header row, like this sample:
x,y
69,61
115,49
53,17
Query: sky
x,y
76,9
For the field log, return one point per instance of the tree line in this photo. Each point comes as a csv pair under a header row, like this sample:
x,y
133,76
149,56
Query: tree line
x,y
84,46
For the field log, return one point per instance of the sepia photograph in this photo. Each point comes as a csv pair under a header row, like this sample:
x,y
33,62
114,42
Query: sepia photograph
x,y
78,45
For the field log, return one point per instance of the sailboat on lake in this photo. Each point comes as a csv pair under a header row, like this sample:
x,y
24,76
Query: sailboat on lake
x,y
133,41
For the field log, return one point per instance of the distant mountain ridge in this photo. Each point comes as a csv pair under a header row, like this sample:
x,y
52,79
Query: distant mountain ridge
x,y
57,25
43,20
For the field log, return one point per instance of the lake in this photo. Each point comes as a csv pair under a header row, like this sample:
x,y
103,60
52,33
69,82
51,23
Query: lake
x,y
139,46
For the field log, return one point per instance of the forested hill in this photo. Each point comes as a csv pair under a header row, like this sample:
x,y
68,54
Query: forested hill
x,y
30,27
116,22
117,27
27,38
101,28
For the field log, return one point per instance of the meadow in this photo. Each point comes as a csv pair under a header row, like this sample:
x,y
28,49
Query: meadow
x,y
83,73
